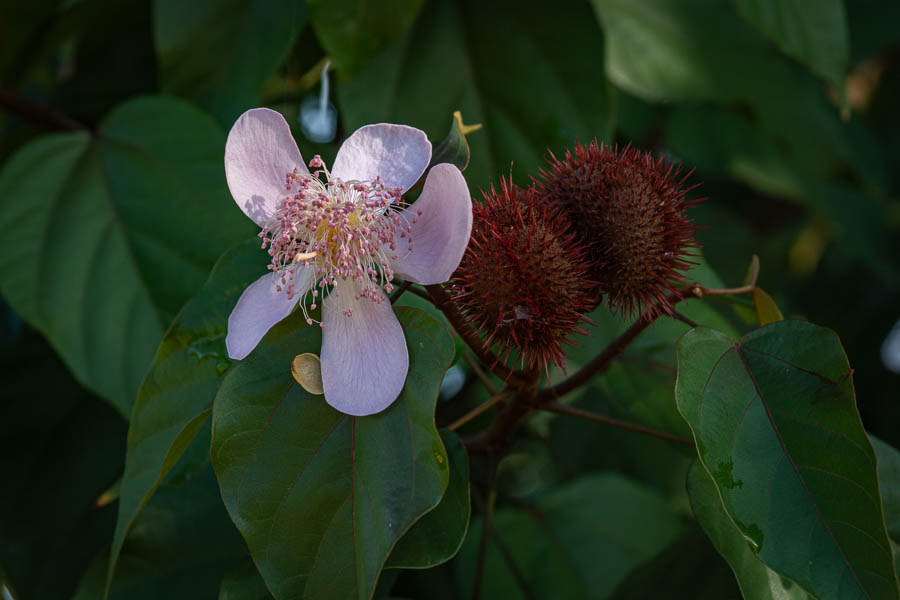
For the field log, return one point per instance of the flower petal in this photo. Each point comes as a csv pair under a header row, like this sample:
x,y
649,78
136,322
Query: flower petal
x,y
441,233
259,152
259,308
364,356
398,153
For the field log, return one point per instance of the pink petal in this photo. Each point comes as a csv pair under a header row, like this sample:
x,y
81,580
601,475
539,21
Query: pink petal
x,y
259,308
259,152
398,153
441,233
364,356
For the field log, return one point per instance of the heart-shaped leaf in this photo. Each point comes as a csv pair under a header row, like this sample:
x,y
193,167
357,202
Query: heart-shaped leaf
x,y
775,421
321,497
105,237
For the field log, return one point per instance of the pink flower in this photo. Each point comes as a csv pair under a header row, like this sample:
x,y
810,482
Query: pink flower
x,y
340,238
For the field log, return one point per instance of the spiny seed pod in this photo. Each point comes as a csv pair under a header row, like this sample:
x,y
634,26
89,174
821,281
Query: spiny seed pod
x,y
522,281
628,209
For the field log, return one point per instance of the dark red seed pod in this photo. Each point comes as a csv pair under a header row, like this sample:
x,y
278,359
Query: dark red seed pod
x,y
522,282
628,209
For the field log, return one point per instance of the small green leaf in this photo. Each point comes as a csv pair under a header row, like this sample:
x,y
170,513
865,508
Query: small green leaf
x,y
454,148
756,580
353,31
219,53
775,421
811,31
572,543
766,309
438,535
321,497
176,397
105,237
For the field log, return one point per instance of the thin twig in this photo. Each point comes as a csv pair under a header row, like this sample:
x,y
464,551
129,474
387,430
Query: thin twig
x,y
38,114
479,372
680,317
699,291
507,556
479,410
442,301
564,409
399,291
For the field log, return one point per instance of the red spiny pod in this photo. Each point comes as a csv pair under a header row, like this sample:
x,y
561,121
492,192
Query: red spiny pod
x,y
628,209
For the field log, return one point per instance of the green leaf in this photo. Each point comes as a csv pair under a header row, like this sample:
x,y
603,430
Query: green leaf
x,y
756,580
219,53
766,309
532,86
353,31
652,49
180,547
775,421
438,535
572,544
812,31
454,148
321,497
60,450
106,237
176,397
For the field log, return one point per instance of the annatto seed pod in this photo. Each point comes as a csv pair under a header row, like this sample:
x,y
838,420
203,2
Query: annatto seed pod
x,y
522,282
628,209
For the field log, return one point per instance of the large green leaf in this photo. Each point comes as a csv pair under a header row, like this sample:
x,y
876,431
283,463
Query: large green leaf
x,y
180,548
321,497
219,53
756,580
573,543
175,399
352,31
60,450
775,421
437,536
105,237
812,31
532,86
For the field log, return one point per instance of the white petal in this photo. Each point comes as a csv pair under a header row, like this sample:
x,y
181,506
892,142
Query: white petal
x,y
259,152
364,356
397,153
259,308
441,233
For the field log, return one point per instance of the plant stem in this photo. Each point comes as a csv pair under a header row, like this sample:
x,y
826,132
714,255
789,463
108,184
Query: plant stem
x,y
563,409
700,291
478,410
40,115
442,301
399,291
479,372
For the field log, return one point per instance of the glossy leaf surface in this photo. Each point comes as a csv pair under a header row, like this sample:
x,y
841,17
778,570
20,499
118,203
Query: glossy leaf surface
x,y
775,421
322,497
